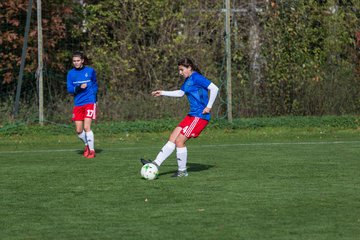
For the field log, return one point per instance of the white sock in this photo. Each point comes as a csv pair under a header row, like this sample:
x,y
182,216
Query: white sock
x,y
90,139
181,156
82,137
165,152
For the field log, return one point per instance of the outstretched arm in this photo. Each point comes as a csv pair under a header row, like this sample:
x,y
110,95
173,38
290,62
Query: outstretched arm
x,y
176,93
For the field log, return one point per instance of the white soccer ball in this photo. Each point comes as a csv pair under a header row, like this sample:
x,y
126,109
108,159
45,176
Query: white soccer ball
x,y
149,171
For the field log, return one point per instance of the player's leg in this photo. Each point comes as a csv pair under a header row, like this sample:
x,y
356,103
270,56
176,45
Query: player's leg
x,y
175,133
181,156
89,116
89,133
168,148
78,118
191,129
188,125
81,134
79,127
80,131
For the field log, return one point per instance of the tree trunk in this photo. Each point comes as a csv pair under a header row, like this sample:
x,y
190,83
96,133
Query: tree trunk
x,y
254,45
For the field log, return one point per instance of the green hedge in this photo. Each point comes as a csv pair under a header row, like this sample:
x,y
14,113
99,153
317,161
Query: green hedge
x,y
345,122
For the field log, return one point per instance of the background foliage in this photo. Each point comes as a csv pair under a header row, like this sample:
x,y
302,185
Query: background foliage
x,y
306,55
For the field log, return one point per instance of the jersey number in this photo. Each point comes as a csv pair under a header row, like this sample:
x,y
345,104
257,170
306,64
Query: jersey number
x,y
89,113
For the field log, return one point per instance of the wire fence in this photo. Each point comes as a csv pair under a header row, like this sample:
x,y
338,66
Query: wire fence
x,y
288,58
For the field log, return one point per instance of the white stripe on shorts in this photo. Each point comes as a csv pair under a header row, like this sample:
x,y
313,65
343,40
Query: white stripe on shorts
x,y
94,115
192,126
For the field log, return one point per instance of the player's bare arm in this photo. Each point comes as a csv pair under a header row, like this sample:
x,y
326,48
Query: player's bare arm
x,y
206,110
156,93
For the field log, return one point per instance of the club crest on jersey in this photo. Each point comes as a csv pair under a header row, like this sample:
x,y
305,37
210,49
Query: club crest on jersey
x,y
86,75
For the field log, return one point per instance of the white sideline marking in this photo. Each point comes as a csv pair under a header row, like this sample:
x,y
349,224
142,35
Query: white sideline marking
x,y
195,146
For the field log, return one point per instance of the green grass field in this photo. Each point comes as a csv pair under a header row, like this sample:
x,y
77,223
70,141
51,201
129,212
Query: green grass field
x,y
266,183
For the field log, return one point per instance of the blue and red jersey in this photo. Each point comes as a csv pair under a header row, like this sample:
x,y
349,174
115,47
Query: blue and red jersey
x,y
75,78
196,90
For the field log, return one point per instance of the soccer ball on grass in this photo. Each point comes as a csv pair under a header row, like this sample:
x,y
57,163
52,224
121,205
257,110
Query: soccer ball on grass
x,y
149,171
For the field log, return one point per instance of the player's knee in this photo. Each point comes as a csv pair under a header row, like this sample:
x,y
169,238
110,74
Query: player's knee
x,y
179,143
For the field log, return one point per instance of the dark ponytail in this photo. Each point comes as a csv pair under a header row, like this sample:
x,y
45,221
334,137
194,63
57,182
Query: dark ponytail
x,y
187,62
81,55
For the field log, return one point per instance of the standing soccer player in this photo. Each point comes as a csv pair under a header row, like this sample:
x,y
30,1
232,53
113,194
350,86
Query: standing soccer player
x,y
81,82
196,87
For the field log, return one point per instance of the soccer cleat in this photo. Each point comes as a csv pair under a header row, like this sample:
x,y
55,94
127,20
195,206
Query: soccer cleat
x,y
144,161
86,151
91,154
180,174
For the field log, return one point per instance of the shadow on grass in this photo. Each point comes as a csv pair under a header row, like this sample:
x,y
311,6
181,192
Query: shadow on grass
x,y
192,167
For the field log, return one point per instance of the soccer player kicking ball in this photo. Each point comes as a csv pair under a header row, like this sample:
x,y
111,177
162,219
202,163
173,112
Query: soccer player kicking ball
x,y
197,88
81,82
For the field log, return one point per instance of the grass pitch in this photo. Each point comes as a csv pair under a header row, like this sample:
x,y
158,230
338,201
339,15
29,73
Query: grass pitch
x,y
270,183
